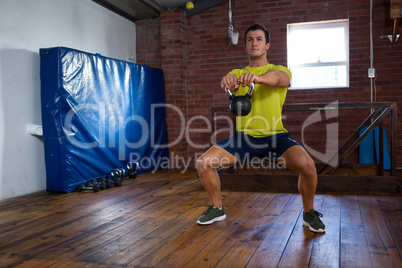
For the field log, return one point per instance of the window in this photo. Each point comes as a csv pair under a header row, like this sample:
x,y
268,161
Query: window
x,y
318,54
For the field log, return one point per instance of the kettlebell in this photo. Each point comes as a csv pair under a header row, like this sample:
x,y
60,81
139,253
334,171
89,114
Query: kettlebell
x,y
240,105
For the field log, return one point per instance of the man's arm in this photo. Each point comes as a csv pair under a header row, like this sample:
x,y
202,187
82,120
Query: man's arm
x,y
272,78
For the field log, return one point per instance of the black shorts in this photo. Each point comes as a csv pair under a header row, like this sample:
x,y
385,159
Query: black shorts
x,y
246,147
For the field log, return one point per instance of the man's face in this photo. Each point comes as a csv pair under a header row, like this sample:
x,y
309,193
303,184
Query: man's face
x,y
256,45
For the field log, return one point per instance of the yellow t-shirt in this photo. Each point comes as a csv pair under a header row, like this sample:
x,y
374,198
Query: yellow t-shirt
x,y
265,117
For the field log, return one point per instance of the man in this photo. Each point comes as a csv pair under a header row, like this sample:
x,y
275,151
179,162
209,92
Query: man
x,y
260,133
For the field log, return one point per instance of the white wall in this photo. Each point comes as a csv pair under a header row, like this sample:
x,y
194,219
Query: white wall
x,y
25,27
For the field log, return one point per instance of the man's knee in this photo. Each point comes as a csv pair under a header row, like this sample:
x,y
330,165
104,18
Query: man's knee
x,y
214,161
206,162
307,166
201,163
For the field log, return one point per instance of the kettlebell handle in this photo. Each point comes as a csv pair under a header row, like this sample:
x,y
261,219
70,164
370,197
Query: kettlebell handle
x,y
250,91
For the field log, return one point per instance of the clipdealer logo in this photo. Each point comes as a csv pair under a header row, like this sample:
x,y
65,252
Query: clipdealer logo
x,y
332,130
111,130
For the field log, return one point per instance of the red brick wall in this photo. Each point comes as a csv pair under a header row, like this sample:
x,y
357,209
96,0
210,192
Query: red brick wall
x,y
173,62
195,54
148,42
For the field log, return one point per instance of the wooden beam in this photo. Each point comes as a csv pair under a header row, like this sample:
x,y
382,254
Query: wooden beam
x,y
394,30
395,9
333,106
326,183
152,5
132,10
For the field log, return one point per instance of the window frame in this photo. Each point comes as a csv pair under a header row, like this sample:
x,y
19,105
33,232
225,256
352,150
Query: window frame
x,y
317,25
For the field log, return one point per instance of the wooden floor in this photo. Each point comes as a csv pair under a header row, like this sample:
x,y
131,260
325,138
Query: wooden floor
x,y
150,222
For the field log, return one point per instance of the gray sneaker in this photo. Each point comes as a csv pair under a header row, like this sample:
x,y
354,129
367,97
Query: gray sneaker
x,y
211,215
312,220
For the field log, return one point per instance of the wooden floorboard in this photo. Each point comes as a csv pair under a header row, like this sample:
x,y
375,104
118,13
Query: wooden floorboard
x,y
150,222
242,251
326,248
381,246
300,242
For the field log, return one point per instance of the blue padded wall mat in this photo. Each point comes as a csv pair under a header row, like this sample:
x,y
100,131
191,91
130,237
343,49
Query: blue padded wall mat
x,y
366,148
98,114
369,148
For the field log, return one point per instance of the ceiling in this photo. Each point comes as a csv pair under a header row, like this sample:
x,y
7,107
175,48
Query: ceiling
x,y
166,4
149,9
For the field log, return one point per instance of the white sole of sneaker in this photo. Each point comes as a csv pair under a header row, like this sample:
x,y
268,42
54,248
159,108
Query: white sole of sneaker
x,y
221,218
312,229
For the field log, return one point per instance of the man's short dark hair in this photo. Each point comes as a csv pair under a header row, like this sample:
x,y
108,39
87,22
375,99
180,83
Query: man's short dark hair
x,y
255,27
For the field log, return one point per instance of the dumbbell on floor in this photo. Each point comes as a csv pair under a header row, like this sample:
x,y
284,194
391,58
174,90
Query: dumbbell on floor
x,y
90,185
102,183
108,183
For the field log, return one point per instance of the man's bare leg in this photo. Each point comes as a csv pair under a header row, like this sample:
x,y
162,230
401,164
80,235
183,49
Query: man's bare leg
x,y
296,158
214,158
